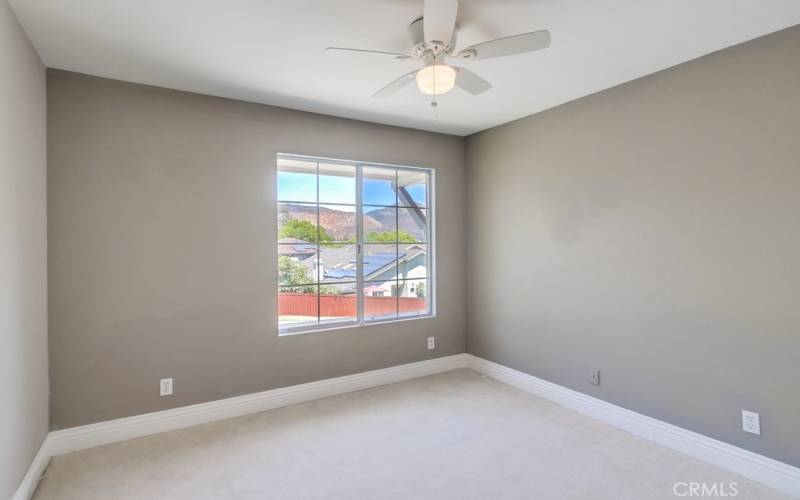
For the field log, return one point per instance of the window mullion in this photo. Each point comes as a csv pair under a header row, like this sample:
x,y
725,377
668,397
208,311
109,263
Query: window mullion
x,y
359,248
397,243
319,257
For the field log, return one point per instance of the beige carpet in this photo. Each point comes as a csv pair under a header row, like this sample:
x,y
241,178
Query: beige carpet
x,y
452,436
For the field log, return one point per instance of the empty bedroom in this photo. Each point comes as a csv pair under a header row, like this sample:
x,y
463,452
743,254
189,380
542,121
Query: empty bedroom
x,y
399,249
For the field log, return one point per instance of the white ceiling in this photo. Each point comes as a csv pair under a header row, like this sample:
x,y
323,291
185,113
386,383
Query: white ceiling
x,y
271,51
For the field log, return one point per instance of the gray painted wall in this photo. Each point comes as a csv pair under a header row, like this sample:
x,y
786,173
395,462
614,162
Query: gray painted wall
x,y
652,231
23,252
162,248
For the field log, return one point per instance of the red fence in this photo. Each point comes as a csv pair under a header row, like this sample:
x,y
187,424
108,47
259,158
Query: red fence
x,y
305,304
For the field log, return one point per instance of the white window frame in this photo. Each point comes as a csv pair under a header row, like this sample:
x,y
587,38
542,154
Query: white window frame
x,y
430,244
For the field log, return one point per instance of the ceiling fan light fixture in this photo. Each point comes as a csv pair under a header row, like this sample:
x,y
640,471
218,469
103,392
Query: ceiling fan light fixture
x,y
436,79
434,41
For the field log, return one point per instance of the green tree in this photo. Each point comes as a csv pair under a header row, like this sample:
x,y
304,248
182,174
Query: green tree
x,y
296,278
294,274
304,230
401,236
420,290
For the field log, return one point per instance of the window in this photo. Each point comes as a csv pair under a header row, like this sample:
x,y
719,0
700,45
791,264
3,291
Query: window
x,y
355,243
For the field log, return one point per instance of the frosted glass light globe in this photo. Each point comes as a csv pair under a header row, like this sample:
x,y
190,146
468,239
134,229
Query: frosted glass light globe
x,y
436,79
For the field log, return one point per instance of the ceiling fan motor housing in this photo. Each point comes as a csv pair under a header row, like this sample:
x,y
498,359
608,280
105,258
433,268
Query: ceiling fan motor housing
x,y
423,50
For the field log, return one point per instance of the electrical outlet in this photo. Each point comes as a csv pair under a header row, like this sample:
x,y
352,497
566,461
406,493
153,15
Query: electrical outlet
x,y
595,377
751,422
166,386
431,343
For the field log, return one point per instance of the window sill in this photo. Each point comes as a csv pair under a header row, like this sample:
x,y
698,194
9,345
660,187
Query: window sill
x,y
289,332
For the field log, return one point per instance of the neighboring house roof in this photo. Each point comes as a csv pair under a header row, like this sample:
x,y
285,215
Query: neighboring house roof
x,y
374,264
289,241
296,247
339,261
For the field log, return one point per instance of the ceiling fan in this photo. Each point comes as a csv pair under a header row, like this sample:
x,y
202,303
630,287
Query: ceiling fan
x,y
434,39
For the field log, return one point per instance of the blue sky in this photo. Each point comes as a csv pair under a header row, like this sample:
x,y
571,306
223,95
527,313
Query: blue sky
x,y
302,187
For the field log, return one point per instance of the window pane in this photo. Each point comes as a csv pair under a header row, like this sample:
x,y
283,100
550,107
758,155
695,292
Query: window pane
x,y
413,225
413,297
380,300
297,180
380,224
380,262
322,278
297,306
338,263
338,302
337,223
413,262
378,186
337,183
296,264
413,188
297,223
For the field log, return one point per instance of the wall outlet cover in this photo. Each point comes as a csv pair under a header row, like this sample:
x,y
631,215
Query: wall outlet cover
x,y
751,422
166,386
431,343
595,377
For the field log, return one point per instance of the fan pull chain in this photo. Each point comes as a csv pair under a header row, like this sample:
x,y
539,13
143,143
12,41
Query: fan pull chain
x,y
435,104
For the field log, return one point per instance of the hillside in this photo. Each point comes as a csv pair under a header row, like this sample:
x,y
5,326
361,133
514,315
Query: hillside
x,y
341,225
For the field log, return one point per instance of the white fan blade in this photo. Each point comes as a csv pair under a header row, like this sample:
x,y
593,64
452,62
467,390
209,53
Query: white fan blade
x,y
396,85
335,51
439,20
517,44
471,82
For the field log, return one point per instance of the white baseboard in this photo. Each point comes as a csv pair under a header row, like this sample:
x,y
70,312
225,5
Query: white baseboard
x,y
28,484
778,475
113,431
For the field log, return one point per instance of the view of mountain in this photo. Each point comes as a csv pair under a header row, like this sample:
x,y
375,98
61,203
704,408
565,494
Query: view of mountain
x,y
341,225
405,221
